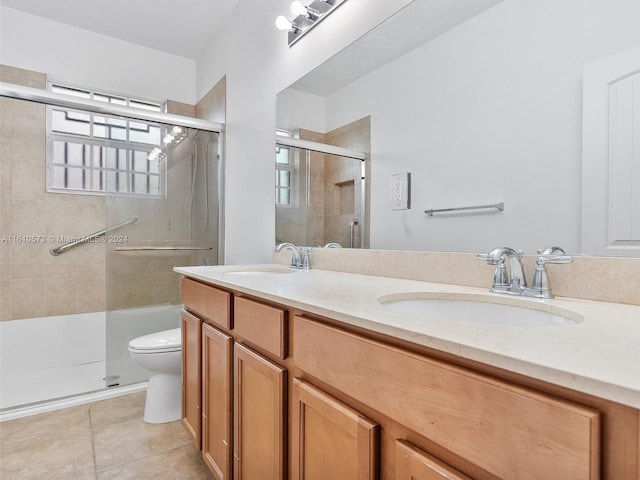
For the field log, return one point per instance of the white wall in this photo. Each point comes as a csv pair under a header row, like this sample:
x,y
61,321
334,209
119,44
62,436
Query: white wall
x,y
490,111
91,59
258,64
296,109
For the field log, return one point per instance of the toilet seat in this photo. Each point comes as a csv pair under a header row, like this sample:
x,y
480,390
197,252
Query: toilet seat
x,y
158,342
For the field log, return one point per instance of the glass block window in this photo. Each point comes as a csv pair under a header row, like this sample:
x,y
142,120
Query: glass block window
x,y
284,172
95,153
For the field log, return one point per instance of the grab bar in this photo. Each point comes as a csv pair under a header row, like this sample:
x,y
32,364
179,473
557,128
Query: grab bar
x,y
58,249
498,206
352,226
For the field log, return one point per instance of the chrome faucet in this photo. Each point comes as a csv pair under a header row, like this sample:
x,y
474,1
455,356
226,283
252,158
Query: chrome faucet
x,y
515,282
332,245
300,258
306,260
296,257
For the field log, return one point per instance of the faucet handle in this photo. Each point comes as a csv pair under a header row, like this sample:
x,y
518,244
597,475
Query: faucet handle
x,y
558,259
306,262
500,277
551,250
540,284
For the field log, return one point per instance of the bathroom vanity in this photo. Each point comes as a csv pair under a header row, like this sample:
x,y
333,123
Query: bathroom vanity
x,y
318,374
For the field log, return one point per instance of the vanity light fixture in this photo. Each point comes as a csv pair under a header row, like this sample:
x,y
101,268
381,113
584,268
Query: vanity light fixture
x,y
306,17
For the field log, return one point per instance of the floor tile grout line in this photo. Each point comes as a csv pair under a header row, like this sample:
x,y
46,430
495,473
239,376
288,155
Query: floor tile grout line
x,y
93,443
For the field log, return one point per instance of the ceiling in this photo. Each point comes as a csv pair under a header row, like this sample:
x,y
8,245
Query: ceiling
x,y
180,28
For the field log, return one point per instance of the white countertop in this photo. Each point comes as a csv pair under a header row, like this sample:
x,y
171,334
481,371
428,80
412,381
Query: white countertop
x,y
599,355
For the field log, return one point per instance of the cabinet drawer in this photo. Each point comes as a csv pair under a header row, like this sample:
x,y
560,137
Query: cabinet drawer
x,y
262,325
507,430
414,464
208,302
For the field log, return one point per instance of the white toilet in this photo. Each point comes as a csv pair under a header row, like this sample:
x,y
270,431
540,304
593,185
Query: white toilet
x,y
161,354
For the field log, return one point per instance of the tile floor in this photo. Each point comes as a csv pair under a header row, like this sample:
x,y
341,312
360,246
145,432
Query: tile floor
x,y
103,440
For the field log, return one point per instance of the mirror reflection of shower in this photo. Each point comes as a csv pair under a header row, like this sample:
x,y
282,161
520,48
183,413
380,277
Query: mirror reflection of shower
x,y
320,186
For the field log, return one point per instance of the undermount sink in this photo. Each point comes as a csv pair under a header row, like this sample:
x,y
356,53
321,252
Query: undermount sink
x,y
257,270
479,309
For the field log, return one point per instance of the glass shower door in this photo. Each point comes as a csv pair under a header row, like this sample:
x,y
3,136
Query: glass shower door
x,y
166,184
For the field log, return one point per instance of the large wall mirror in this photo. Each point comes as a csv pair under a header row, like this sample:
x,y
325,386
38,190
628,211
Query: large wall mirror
x,y
482,102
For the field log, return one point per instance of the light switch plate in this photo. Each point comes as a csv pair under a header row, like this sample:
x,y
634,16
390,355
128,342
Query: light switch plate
x,y
401,191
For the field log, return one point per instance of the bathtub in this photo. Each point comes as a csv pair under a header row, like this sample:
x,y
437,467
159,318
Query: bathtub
x,y
53,362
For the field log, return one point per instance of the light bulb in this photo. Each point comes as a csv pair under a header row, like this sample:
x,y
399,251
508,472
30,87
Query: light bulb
x,y
282,23
297,8
176,130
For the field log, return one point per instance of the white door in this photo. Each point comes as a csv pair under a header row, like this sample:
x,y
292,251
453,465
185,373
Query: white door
x,y
611,156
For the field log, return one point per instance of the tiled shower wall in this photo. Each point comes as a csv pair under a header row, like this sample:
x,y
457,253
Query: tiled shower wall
x,y
33,283
343,187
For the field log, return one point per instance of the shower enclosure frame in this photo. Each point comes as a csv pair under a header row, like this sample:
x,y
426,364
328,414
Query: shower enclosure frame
x,y
47,98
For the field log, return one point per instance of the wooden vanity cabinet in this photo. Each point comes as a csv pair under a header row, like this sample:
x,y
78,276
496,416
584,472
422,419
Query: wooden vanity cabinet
x,y
259,417
217,401
191,375
234,398
504,430
329,439
413,463
285,394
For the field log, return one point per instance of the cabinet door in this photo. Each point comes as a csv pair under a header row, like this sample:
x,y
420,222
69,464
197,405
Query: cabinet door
x,y
191,362
259,417
217,391
330,439
415,464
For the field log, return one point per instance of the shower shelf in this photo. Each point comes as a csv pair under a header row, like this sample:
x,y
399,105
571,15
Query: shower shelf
x,y
153,251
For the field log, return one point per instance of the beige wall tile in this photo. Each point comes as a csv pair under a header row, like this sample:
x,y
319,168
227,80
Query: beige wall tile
x,y
20,76
179,108
169,288
119,291
144,289
27,298
118,264
62,219
91,260
91,214
28,260
27,218
5,261
5,300
28,130
91,294
60,266
27,178
5,73
5,127
5,177
5,246
60,296
212,106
